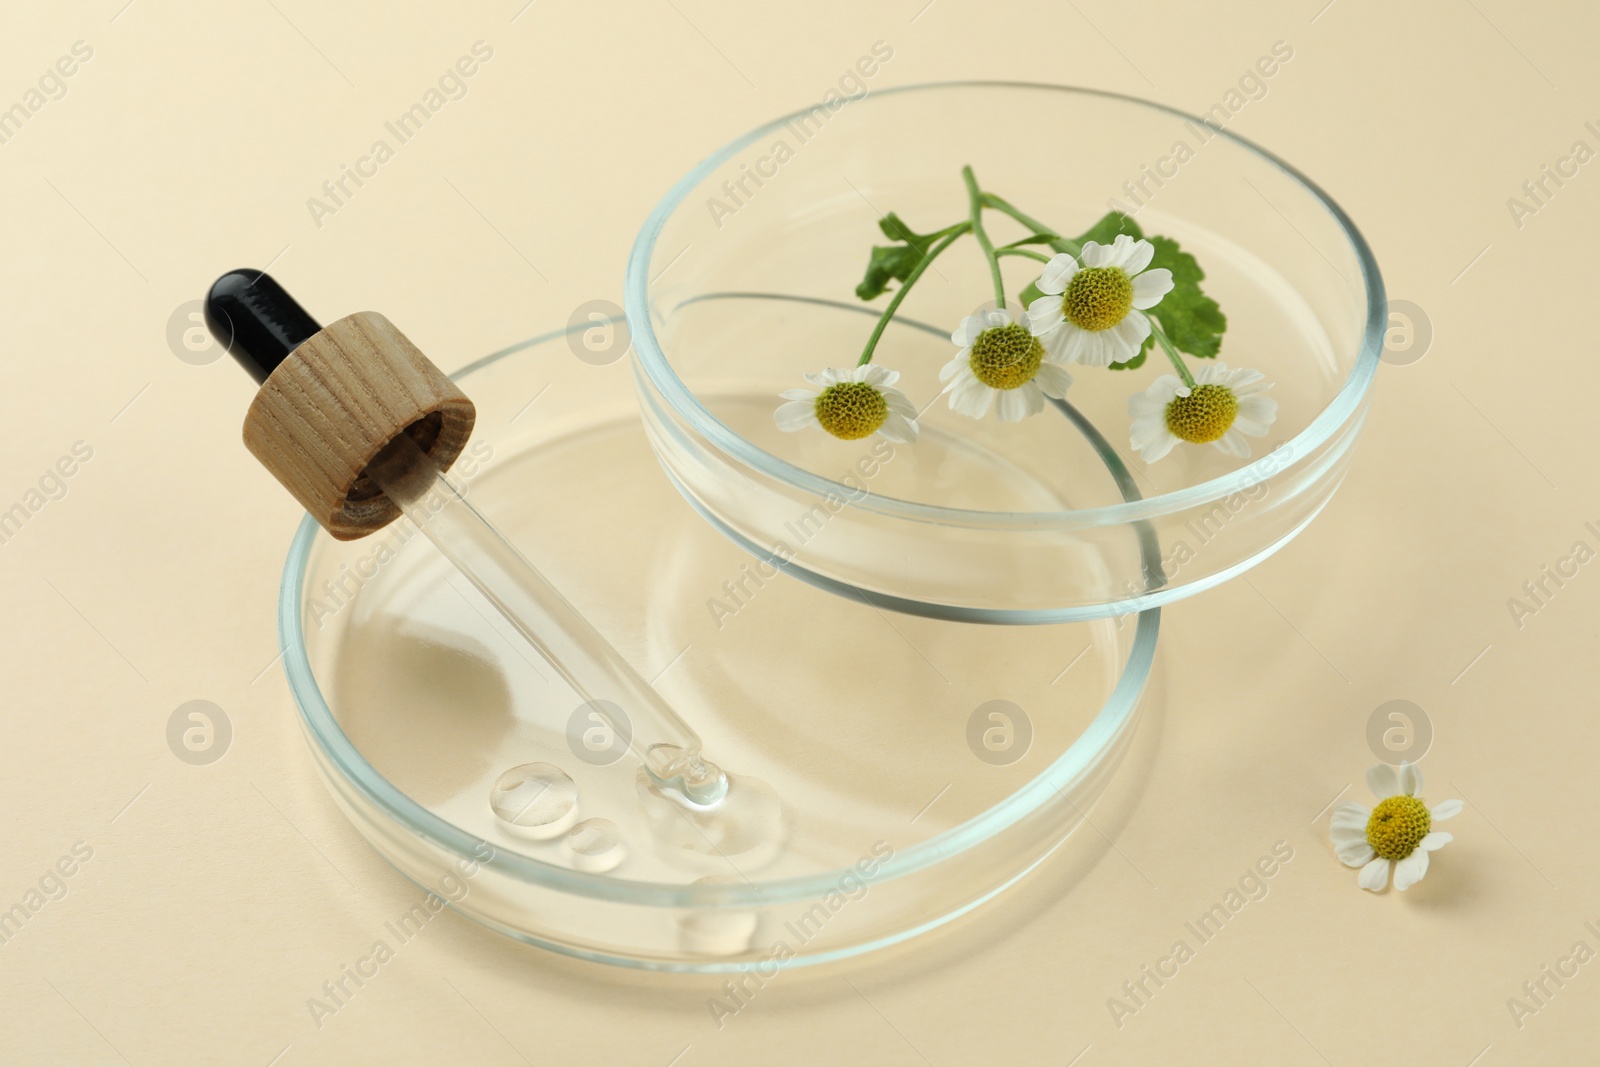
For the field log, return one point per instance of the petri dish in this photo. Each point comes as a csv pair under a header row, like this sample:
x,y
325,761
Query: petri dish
x,y
920,765
742,279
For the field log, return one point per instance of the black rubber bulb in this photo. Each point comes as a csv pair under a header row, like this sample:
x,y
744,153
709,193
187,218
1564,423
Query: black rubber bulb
x,y
256,320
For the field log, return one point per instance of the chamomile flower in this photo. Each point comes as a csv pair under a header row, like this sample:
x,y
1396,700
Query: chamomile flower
x,y
1001,365
850,404
1223,405
1091,312
1398,832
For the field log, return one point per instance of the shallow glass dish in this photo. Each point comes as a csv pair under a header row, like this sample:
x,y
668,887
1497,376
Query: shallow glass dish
x,y
924,764
742,279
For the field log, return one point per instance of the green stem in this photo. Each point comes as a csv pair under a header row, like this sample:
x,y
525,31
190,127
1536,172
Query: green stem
x,y
1057,242
1012,250
937,234
975,220
955,232
1172,352
1034,239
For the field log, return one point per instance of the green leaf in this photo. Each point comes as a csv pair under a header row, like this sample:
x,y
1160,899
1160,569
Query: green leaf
x,y
1192,320
894,262
896,230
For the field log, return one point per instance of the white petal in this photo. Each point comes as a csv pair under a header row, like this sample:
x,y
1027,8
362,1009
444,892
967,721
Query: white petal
x,y
1435,841
1014,405
1085,348
873,374
1256,414
1057,273
1410,779
966,382
1076,344
1120,340
1033,395
796,415
1147,418
972,397
1096,254
1383,781
1446,809
1117,253
1101,349
1352,815
1055,345
963,378
1053,380
1343,835
1355,853
1212,372
1135,328
980,404
967,332
799,394
1246,382
1119,348
1130,334
1375,875
1138,257
1157,448
1165,388
1044,315
962,359
1143,405
1146,430
899,403
1409,871
958,376
1232,444
1150,287
992,317
899,429
1011,405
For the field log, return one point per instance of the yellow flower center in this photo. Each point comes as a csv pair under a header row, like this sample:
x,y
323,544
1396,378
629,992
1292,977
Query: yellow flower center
x,y
1005,357
851,410
1204,415
1097,298
1397,825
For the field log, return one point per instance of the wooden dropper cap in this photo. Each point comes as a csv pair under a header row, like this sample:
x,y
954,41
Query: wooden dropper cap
x,y
331,398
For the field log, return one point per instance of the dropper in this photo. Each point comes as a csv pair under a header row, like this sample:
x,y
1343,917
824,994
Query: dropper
x,y
361,427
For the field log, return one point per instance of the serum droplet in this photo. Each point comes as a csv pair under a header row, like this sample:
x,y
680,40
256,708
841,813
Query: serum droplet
x,y
538,801
596,845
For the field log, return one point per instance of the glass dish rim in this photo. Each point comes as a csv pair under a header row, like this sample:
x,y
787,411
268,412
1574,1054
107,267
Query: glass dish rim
x,y
341,754
650,355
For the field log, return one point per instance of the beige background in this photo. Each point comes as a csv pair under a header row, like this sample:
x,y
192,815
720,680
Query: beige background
x,y
219,898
